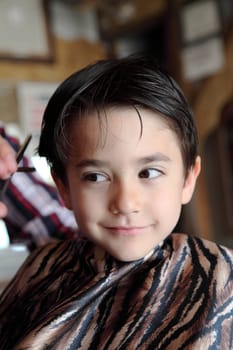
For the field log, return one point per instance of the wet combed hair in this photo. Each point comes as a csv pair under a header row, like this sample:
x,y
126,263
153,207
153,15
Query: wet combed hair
x,y
134,81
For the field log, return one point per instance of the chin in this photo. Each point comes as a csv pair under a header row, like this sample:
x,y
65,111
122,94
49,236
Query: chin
x,y
129,257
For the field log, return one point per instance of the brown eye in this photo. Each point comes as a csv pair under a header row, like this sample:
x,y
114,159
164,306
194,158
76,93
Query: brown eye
x,y
149,173
94,177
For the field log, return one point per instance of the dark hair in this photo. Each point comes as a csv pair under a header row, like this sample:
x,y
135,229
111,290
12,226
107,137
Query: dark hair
x,y
132,81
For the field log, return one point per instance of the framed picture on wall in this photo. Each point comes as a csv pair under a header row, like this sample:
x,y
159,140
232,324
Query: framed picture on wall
x,y
32,98
199,19
202,51
25,31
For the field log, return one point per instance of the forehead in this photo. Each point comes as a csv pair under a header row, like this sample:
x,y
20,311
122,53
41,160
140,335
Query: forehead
x,y
125,125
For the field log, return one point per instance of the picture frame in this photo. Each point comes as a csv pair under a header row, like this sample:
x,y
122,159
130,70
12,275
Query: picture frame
x,y
199,20
25,31
32,98
201,40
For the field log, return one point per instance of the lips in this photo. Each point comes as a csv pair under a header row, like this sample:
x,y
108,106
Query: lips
x,y
126,230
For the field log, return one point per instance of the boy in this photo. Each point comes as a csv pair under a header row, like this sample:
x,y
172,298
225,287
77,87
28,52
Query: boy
x,y
122,145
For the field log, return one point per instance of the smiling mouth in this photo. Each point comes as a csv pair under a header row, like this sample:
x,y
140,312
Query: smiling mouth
x,y
126,230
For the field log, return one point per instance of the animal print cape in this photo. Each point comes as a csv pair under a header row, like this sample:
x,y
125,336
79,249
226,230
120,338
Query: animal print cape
x,y
68,295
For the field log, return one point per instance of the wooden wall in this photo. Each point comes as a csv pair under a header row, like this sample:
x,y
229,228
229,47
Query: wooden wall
x,y
69,56
212,95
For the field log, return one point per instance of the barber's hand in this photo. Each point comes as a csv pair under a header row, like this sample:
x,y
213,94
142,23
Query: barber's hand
x,y
8,166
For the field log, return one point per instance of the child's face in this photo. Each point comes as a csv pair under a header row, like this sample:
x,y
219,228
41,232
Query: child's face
x,y
126,190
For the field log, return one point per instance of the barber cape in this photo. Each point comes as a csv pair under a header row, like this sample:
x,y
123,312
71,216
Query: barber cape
x,y
69,295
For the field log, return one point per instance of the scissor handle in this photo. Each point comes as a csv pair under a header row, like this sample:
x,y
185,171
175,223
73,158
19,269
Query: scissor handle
x,y
22,148
4,183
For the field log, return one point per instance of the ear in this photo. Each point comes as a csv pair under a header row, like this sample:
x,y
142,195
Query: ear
x,y
190,181
62,189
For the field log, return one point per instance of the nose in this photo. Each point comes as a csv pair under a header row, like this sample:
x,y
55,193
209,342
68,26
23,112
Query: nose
x,y
125,199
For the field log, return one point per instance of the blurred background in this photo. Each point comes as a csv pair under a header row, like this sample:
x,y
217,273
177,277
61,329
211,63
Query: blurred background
x,y
42,42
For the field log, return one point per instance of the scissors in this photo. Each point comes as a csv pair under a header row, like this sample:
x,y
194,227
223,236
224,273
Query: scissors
x,y
19,155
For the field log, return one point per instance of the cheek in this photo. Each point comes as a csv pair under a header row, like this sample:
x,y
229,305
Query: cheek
x,y
167,214
168,207
85,207
168,201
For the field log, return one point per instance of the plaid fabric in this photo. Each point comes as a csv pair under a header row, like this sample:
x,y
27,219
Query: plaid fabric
x,y
36,213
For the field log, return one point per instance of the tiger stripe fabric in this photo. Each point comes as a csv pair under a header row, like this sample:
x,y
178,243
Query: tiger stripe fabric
x,y
70,295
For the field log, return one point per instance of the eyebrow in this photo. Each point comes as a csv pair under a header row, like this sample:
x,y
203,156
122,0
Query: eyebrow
x,y
157,157
91,162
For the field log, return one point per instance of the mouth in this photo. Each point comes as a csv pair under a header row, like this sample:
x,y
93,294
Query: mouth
x,y
126,230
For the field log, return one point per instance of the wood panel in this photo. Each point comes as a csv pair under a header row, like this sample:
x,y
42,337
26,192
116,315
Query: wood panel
x,y
212,95
69,56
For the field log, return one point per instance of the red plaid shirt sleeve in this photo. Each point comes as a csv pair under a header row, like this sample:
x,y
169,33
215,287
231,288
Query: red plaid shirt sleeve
x,y
36,213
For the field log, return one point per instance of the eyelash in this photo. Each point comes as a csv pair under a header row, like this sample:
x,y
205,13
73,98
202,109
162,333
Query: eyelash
x,y
92,177
158,173
89,177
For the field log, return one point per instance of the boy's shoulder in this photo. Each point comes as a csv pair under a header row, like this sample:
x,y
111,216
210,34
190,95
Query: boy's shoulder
x,y
58,253
200,256
70,246
201,245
